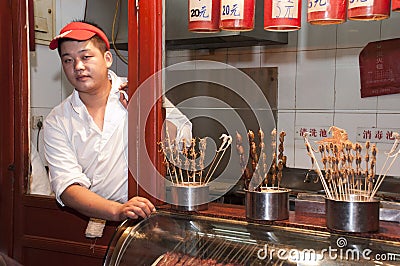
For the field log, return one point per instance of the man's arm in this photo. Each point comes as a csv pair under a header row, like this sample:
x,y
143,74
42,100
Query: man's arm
x,y
93,205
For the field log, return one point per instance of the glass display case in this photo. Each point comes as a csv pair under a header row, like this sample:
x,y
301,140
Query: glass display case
x,y
178,239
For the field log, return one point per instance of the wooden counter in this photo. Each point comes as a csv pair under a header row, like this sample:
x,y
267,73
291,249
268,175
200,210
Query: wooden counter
x,y
388,231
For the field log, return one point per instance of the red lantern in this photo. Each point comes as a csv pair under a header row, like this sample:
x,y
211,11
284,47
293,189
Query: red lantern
x,y
368,9
326,12
282,15
237,15
396,5
204,15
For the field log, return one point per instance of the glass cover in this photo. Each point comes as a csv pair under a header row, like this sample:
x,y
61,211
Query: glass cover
x,y
175,239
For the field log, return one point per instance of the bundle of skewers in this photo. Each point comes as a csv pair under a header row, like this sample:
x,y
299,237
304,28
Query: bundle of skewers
x,y
185,163
348,171
256,174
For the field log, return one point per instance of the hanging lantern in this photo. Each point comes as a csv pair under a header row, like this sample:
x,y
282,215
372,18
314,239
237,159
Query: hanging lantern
x,y
326,12
204,15
282,15
396,5
368,9
237,15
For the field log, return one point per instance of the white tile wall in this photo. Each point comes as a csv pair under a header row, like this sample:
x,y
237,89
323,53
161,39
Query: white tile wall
x,y
390,27
45,78
347,83
286,63
387,120
388,102
67,11
315,79
312,37
357,33
286,122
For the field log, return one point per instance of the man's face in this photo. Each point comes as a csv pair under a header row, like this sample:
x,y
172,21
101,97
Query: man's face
x,y
85,66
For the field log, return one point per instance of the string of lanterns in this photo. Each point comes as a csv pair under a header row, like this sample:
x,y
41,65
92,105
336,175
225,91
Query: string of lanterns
x,y
283,15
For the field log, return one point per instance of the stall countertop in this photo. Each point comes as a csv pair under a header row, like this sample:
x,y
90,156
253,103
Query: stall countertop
x,y
388,231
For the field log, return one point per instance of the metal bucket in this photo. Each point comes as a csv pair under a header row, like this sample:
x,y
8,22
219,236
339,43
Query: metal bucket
x,y
270,205
356,216
190,196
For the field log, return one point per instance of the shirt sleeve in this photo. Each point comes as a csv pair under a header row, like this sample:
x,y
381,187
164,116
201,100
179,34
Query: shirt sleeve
x,y
182,123
60,155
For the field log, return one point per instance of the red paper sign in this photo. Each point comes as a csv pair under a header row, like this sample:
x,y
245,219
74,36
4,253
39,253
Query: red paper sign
x,y
380,68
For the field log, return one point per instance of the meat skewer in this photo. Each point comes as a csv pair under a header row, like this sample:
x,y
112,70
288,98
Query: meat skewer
x,y
202,152
242,159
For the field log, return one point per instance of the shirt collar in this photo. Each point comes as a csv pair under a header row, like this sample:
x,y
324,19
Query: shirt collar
x,y
76,102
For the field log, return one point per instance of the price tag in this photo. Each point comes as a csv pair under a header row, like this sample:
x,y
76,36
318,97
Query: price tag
x,y
317,5
285,8
232,9
360,3
200,10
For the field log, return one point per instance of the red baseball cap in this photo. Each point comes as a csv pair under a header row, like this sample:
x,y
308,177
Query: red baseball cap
x,y
80,31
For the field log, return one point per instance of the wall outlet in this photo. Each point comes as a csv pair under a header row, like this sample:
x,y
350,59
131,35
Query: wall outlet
x,y
35,120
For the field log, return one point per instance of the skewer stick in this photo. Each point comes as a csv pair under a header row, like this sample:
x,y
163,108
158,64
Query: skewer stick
x,y
227,140
391,154
171,154
186,163
202,149
311,153
193,159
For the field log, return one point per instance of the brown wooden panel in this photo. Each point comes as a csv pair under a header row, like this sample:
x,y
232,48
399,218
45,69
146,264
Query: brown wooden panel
x,y
45,218
7,129
40,257
66,247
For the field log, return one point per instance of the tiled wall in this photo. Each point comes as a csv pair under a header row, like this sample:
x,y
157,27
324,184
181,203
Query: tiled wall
x,y
318,80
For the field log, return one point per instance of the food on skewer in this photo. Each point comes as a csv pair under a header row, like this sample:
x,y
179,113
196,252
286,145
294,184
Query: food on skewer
x,y
349,168
182,165
242,159
263,177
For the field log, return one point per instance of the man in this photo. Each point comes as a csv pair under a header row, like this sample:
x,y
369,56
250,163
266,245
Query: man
x,y
85,136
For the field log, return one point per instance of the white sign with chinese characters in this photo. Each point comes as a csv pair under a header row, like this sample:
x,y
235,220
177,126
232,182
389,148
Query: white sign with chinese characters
x,y
360,3
376,135
285,8
200,10
317,5
314,132
364,134
232,9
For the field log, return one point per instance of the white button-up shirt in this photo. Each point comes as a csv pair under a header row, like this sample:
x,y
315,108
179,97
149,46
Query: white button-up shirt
x,y
78,152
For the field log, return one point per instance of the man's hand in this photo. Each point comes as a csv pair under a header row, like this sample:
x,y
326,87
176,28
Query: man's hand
x,y
136,207
123,94
93,205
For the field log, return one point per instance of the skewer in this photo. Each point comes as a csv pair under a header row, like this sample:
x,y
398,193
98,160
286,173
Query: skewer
x,y
226,142
202,152
311,153
391,154
193,156
263,155
169,149
242,159
343,166
187,162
